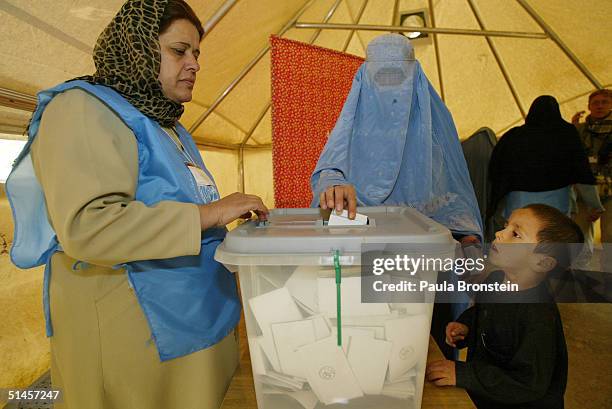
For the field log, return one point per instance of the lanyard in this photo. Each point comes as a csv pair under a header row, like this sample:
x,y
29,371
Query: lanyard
x,y
180,147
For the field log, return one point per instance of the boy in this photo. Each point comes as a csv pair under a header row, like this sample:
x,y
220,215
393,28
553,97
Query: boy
x,y
517,357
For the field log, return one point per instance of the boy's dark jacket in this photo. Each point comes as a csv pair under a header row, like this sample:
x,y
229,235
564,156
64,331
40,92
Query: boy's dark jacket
x,y
517,357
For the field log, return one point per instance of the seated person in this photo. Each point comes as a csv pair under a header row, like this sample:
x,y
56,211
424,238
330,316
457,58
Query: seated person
x,y
395,144
517,357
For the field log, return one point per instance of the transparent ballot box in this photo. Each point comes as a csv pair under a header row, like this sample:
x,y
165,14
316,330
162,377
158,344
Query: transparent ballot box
x,y
314,339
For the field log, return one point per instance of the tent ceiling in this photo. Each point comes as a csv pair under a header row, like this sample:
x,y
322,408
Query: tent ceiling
x,y
46,42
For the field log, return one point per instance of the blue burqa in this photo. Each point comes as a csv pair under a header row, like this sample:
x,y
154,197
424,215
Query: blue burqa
x,y
396,142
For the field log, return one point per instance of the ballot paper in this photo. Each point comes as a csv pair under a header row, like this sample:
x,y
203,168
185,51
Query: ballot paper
x,y
343,219
322,326
351,299
368,321
328,372
272,307
411,308
369,359
257,357
266,343
379,331
304,308
272,279
403,390
269,308
263,285
288,336
410,339
348,332
284,381
408,376
303,285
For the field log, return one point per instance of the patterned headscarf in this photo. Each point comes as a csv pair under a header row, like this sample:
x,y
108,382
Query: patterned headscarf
x,y
127,58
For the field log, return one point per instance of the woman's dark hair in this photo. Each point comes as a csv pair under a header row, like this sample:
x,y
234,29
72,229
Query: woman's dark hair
x,y
179,10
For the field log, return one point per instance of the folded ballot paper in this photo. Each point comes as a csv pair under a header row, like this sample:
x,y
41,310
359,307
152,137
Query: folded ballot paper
x,y
351,298
328,372
289,336
410,343
343,219
295,351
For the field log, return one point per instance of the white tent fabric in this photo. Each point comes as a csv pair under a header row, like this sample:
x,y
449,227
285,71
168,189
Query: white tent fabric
x,y
45,42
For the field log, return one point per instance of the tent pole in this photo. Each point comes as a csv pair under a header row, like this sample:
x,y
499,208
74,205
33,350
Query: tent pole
x,y
220,115
233,147
328,16
241,169
44,26
498,59
261,116
394,18
436,50
17,100
218,16
549,31
246,70
454,31
352,33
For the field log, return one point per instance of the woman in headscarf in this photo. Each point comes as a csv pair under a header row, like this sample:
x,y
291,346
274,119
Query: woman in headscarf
x,y
539,162
112,195
395,143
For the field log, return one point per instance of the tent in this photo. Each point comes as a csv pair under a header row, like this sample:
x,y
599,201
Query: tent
x,y
485,80
488,59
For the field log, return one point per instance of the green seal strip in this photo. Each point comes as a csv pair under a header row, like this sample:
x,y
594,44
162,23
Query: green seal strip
x,y
338,296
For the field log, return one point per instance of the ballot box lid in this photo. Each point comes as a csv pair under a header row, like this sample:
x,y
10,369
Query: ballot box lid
x,y
301,236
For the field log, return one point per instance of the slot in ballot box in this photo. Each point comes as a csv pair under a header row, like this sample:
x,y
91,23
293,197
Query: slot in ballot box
x,y
316,340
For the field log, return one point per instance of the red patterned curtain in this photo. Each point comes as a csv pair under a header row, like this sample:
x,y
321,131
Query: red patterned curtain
x,y
309,86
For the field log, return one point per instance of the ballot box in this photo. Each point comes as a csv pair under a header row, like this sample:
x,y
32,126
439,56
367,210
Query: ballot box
x,y
314,342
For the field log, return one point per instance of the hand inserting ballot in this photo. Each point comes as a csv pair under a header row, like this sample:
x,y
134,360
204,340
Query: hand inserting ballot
x,y
340,197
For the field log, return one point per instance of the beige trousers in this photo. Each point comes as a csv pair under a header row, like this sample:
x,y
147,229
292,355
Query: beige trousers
x,y
102,355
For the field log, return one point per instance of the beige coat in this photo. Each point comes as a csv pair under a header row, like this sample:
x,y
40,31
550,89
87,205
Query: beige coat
x,y
102,355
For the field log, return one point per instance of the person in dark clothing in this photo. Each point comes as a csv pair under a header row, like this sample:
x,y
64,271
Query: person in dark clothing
x,y
596,135
517,357
539,162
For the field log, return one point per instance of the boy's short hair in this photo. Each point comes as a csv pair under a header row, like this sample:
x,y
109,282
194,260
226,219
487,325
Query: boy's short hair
x,y
557,234
605,92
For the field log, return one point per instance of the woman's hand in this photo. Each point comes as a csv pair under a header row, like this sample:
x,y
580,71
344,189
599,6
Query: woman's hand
x,y
455,331
340,197
230,208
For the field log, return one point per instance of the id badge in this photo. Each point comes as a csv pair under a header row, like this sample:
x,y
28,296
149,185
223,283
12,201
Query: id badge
x,y
200,176
206,188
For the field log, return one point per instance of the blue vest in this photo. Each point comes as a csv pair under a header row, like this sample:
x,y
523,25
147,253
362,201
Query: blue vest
x,y
190,302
